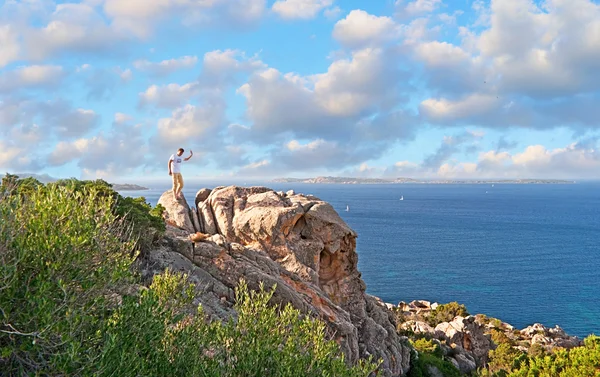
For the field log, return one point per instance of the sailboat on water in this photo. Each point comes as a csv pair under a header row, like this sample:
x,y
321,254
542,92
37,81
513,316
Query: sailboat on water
x,y
402,197
347,208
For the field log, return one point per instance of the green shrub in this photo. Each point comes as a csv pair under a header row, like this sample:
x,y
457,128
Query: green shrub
x,y
577,362
504,359
446,313
264,341
420,366
146,223
499,337
428,353
427,345
61,256
65,261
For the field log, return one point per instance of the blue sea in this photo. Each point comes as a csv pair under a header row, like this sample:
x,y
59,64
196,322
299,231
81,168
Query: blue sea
x,y
521,253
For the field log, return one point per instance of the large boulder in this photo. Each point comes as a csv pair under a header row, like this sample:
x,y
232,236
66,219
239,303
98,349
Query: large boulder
x,y
466,335
300,244
177,211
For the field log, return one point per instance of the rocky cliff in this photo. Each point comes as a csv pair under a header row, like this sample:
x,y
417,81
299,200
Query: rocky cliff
x,y
297,242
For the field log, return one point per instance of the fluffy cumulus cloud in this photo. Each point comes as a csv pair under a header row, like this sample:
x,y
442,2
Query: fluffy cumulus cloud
x,y
191,125
360,29
56,118
37,30
167,66
105,155
416,7
530,57
575,161
222,68
139,17
168,96
335,104
31,77
300,9
10,45
535,161
89,83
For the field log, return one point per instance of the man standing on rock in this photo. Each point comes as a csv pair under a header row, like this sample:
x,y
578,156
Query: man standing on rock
x,y
175,171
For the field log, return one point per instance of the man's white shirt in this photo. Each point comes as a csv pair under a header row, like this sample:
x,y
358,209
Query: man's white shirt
x,y
176,163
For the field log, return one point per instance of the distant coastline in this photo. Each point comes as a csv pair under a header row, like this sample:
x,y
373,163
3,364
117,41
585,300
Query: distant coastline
x,y
45,178
128,187
375,181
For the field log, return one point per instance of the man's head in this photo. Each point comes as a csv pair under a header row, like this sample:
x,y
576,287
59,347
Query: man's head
x,y
180,151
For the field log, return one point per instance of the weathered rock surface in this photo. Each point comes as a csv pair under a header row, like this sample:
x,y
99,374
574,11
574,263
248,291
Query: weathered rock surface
x,y
463,340
295,241
467,341
177,212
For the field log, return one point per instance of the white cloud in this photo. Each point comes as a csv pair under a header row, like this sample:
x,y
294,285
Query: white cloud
x,y
332,13
574,161
300,9
10,155
83,67
416,7
121,118
360,29
195,126
104,155
72,27
221,68
448,111
168,96
441,54
579,160
140,17
165,67
125,75
104,26
33,76
422,6
9,45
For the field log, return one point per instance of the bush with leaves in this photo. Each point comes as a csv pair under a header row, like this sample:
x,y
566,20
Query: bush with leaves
x,y
428,355
446,313
577,362
264,341
65,259
146,222
61,254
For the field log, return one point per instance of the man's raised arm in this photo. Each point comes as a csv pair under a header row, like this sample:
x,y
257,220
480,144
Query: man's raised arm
x,y
191,154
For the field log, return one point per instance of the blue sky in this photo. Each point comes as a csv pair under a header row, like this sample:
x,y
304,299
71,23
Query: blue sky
x,y
258,89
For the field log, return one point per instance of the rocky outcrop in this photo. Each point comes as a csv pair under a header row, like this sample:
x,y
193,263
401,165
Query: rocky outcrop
x,y
296,242
466,341
462,340
177,212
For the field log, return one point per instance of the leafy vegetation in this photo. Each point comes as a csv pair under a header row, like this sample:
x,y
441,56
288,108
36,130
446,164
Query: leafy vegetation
x,y
264,341
507,361
428,356
446,313
61,255
66,257
145,222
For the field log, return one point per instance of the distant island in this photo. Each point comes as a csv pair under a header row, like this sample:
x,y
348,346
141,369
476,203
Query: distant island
x,y
45,178
127,187
367,181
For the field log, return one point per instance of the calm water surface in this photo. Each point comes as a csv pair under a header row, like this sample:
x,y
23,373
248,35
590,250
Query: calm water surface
x,y
522,253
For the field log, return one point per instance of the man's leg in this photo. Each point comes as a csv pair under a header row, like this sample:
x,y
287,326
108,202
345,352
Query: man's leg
x,y
180,185
174,177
